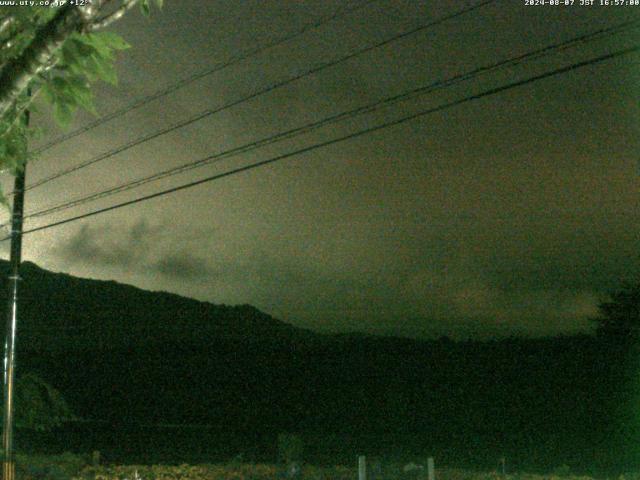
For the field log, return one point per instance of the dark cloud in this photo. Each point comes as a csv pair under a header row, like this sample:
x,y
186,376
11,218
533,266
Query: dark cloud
x,y
139,248
182,266
446,283
108,245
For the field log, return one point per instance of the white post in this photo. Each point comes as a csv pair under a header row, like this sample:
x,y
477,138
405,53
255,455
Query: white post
x,y
362,467
431,474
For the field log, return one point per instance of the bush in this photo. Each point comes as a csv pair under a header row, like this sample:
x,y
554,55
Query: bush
x,y
290,448
49,467
39,406
562,471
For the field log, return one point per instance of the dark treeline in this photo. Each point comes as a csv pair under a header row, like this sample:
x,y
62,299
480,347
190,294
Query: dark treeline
x,y
129,357
544,402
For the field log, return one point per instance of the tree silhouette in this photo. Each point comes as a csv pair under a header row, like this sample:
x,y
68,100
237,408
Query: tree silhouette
x,y
39,406
619,317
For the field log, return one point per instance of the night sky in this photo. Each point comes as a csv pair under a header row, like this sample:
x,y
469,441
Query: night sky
x,y
509,215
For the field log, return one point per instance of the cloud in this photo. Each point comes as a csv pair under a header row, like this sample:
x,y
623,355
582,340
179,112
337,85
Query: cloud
x,y
139,248
182,266
439,284
109,246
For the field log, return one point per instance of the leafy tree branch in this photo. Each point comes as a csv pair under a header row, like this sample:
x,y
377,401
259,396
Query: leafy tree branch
x,y
60,51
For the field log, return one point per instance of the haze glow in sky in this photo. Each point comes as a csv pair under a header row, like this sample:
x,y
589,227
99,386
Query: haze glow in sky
x,y
509,215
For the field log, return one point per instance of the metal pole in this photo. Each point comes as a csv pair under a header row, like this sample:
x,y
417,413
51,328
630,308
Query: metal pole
x,y
431,471
362,467
8,466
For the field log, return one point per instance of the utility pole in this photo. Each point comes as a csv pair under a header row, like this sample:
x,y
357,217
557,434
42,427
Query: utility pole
x,y
8,464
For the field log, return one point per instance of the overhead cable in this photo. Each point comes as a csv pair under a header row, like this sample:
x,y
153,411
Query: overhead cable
x,y
434,86
246,98
399,121
183,82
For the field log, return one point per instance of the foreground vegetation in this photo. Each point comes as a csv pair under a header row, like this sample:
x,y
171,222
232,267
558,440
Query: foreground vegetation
x,y
68,466
309,472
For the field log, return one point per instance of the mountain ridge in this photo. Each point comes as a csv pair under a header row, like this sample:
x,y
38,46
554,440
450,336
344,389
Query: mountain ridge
x,y
91,313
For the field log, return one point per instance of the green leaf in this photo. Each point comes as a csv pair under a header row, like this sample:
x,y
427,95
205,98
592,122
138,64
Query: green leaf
x,y
4,201
13,145
144,8
94,67
48,93
106,70
95,45
82,45
112,40
62,114
81,93
68,93
71,52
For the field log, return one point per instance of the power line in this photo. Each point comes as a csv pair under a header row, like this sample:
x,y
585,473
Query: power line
x,y
440,84
198,75
445,106
274,86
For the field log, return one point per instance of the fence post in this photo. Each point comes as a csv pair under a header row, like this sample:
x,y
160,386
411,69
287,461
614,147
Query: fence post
x,y
431,474
362,467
